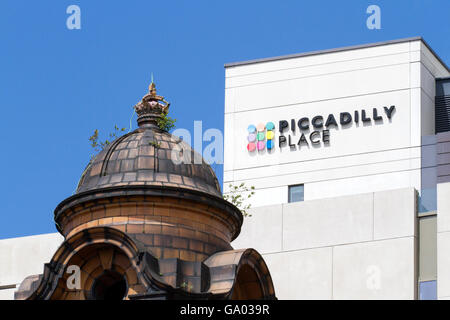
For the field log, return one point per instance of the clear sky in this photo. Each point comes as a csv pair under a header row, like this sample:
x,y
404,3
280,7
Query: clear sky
x,y
58,85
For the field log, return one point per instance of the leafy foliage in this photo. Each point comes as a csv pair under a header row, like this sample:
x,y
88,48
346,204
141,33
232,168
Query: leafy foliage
x,y
185,285
155,144
100,145
238,195
165,122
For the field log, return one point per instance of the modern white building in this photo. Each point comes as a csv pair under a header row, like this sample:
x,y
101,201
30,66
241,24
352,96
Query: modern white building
x,y
346,151
22,257
349,153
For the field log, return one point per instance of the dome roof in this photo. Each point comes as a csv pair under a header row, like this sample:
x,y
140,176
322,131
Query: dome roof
x,y
144,157
149,156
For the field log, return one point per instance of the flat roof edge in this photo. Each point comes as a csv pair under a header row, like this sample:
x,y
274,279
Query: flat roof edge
x,y
355,47
32,236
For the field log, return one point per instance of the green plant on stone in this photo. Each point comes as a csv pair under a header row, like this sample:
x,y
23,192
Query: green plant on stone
x,y
155,144
165,122
238,195
100,145
185,285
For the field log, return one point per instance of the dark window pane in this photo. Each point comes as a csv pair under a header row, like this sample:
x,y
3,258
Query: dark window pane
x,y
296,193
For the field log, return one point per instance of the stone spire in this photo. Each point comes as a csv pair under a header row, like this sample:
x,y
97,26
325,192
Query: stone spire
x,y
151,106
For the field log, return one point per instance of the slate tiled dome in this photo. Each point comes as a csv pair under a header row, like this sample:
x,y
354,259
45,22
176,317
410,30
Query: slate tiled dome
x,y
144,157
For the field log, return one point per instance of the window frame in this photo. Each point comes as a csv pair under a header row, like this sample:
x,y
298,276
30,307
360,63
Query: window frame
x,y
293,186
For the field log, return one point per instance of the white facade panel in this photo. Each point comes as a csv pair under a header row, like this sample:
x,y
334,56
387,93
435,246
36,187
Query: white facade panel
x,y
7,294
395,214
429,60
323,58
375,270
443,240
303,274
25,256
316,70
443,207
443,264
373,183
334,247
270,237
321,88
326,222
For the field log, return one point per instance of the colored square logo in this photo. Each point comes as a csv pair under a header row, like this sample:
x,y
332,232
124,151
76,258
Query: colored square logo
x,y
261,137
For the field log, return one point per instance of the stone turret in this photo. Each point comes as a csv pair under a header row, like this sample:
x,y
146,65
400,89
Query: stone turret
x,y
142,226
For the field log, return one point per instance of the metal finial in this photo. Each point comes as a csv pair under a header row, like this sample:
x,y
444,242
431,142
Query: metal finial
x,y
150,108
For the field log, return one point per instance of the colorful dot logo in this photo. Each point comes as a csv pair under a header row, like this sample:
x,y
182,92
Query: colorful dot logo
x,y
260,137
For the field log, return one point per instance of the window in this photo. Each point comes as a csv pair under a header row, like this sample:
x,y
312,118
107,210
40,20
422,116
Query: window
x,y
442,112
427,290
428,200
296,193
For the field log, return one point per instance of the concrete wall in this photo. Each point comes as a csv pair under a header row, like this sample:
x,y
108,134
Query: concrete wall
x,y
360,158
443,215
443,240
22,257
350,247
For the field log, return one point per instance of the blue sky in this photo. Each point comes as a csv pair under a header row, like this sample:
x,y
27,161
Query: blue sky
x,y
58,85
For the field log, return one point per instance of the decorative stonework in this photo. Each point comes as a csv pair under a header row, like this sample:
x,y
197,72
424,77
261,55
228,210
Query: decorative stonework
x,y
141,227
151,106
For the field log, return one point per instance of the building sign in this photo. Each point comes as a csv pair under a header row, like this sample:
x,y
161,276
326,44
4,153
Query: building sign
x,y
313,130
261,137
